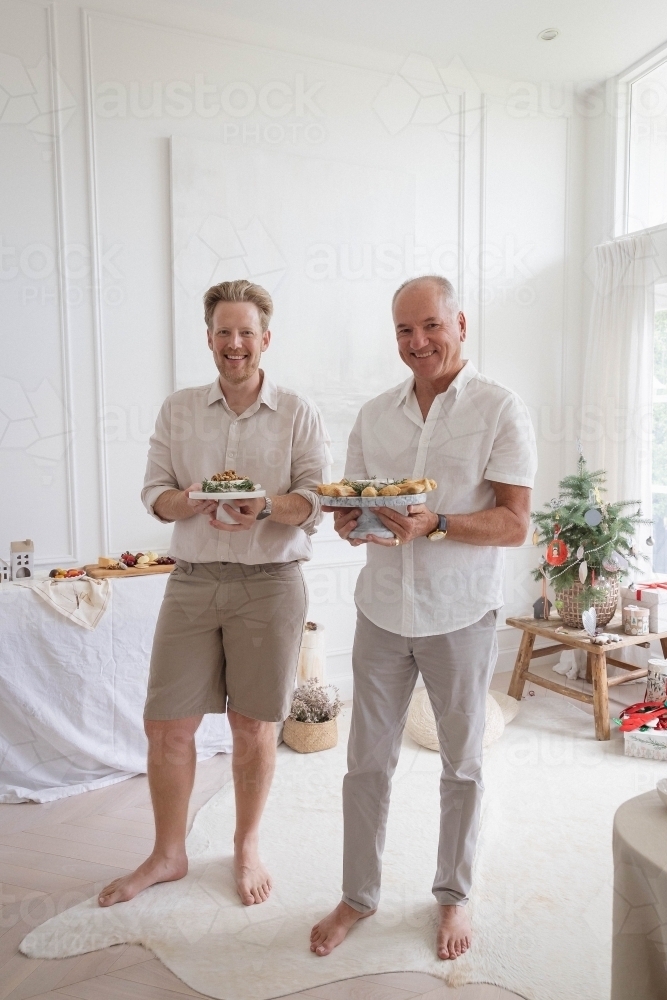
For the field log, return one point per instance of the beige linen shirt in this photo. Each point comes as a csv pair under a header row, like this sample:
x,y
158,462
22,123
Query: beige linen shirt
x,y
476,433
280,441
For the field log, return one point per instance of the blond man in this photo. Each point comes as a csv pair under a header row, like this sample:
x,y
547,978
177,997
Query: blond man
x,y
230,626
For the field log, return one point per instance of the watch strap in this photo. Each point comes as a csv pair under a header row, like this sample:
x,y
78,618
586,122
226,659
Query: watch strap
x,y
441,531
266,510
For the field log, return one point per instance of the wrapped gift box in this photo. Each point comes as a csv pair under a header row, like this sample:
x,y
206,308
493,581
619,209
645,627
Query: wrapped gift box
x,y
651,745
652,597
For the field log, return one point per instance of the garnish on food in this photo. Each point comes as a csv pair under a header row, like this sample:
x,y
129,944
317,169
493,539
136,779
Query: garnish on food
x,y
376,487
227,482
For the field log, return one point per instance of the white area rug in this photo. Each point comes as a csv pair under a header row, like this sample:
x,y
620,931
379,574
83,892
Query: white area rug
x,y
542,900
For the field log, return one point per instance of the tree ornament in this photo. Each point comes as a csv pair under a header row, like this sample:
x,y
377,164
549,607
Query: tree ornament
x,y
536,537
590,620
593,517
557,551
580,552
583,571
649,540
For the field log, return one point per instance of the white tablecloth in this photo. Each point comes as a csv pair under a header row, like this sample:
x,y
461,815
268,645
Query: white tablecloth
x,y
639,952
71,700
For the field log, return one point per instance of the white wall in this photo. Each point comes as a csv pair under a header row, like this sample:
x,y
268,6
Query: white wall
x,y
86,280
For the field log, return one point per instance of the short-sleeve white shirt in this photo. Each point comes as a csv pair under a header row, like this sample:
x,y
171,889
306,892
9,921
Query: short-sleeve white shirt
x,y
476,432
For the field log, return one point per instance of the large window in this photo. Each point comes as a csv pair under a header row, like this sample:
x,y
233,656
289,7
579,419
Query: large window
x,y
660,431
647,152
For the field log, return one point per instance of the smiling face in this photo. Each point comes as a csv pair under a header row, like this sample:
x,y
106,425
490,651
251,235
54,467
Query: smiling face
x,y
429,332
237,340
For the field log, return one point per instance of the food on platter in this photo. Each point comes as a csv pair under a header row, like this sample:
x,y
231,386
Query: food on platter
x,y
228,482
66,574
129,560
376,487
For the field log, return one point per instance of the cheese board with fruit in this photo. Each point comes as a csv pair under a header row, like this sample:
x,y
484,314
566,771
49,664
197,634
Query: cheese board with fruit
x,y
130,564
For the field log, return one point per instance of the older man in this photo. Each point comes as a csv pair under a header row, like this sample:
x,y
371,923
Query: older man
x,y
427,599
230,626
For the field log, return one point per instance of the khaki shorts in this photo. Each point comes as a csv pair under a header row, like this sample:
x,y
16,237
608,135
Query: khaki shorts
x,y
228,635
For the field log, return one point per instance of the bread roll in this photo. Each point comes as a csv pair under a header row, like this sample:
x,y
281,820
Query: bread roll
x,y
390,491
369,491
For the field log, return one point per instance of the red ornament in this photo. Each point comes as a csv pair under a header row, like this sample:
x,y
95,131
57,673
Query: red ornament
x,y
557,552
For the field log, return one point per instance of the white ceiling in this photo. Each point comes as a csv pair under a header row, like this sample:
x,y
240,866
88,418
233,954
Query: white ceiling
x,y
598,38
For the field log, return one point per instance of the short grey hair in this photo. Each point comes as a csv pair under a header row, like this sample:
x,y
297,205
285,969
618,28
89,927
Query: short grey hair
x,y
446,288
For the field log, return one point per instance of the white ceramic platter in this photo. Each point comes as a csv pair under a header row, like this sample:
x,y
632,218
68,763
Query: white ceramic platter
x,y
369,523
231,495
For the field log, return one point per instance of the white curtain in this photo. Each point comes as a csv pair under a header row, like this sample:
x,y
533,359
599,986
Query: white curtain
x,y
618,371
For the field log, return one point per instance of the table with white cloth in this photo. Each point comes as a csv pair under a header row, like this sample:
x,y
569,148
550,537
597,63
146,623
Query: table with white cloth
x,y
71,699
639,950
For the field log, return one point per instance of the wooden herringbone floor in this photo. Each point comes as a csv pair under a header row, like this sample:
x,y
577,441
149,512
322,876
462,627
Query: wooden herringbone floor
x,y
53,856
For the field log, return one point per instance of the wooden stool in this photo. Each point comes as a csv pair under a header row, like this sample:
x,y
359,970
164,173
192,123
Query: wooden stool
x,y
597,659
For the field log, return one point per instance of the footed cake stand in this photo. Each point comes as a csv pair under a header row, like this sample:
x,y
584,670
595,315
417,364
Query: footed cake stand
x,y
226,497
369,523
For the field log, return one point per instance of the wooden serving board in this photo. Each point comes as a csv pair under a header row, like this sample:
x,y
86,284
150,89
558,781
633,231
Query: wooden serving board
x,y
100,573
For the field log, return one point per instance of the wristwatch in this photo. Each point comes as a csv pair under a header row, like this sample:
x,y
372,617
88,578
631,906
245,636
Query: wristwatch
x,y
266,510
441,531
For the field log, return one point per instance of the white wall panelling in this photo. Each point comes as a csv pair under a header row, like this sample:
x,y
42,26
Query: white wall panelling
x,y
372,167
36,402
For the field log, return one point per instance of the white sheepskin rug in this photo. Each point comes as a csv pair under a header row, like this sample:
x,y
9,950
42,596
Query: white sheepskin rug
x,y
542,899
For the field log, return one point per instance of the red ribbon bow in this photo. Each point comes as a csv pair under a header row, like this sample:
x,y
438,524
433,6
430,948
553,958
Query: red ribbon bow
x,y
642,713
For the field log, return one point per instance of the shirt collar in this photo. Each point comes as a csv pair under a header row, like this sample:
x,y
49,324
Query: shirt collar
x,y
467,373
268,394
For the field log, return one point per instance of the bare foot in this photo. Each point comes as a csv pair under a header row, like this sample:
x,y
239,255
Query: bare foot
x,y
153,870
253,882
454,932
333,929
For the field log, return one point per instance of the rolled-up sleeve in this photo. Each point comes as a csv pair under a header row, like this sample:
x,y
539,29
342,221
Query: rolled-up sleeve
x,y
160,475
311,460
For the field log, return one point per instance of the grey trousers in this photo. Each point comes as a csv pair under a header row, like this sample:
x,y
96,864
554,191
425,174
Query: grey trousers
x,y
457,669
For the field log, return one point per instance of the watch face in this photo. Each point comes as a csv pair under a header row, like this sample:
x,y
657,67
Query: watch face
x,y
435,536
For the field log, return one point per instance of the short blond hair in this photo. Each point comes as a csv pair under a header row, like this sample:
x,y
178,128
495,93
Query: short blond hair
x,y
239,291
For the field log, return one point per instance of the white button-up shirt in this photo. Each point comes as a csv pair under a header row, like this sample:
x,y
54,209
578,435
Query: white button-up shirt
x,y
280,442
476,432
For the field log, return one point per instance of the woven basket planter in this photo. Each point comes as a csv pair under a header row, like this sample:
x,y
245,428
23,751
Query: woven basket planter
x,y
307,737
574,602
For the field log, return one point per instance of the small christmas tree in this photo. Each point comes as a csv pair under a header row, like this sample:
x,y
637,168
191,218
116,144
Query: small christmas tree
x,y
585,536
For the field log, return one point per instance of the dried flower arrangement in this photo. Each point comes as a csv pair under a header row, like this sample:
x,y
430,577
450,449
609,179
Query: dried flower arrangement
x,y
313,702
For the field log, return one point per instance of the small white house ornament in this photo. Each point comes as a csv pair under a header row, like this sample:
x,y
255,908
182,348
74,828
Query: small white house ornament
x,y
22,555
5,572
